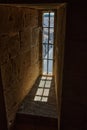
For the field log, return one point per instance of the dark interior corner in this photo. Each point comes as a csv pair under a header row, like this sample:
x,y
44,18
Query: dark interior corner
x,y
19,67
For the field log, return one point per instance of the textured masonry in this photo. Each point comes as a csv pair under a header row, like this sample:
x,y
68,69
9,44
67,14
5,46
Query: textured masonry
x,y
19,54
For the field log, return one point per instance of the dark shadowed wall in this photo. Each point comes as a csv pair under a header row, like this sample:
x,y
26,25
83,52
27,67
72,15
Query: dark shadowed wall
x,y
74,96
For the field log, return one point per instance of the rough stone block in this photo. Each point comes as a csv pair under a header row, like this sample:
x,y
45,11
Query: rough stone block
x,y
13,45
3,48
34,17
26,15
25,43
35,36
11,19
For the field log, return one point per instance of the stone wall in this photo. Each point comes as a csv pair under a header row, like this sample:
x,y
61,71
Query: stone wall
x,y
19,54
59,54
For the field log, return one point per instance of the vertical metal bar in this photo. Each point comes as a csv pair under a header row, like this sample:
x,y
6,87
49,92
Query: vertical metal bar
x,y
53,45
42,42
48,44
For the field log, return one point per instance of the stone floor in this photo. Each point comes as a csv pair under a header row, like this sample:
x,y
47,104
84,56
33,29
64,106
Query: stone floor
x,y
41,100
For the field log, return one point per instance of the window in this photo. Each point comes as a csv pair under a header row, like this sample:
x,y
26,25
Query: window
x,y
47,42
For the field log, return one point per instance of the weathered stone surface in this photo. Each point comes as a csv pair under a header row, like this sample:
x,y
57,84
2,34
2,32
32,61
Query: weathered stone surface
x,y
25,39
35,36
26,15
3,49
34,17
19,55
11,19
13,45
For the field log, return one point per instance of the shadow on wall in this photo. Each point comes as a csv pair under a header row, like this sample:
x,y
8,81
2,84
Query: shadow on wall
x,y
19,66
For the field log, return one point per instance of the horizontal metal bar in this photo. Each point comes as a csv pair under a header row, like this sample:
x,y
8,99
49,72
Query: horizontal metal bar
x,y
47,44
46,59
48,27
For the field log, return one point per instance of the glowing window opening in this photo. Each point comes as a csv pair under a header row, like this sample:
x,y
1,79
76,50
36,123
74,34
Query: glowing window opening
x,y
47,42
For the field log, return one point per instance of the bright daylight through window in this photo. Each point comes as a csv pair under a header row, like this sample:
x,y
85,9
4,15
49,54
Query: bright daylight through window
x,y
43,90
47,42
44,86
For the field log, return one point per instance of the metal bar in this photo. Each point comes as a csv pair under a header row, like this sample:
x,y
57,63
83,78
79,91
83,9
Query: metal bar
x,y
48,59
47,27
49,44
